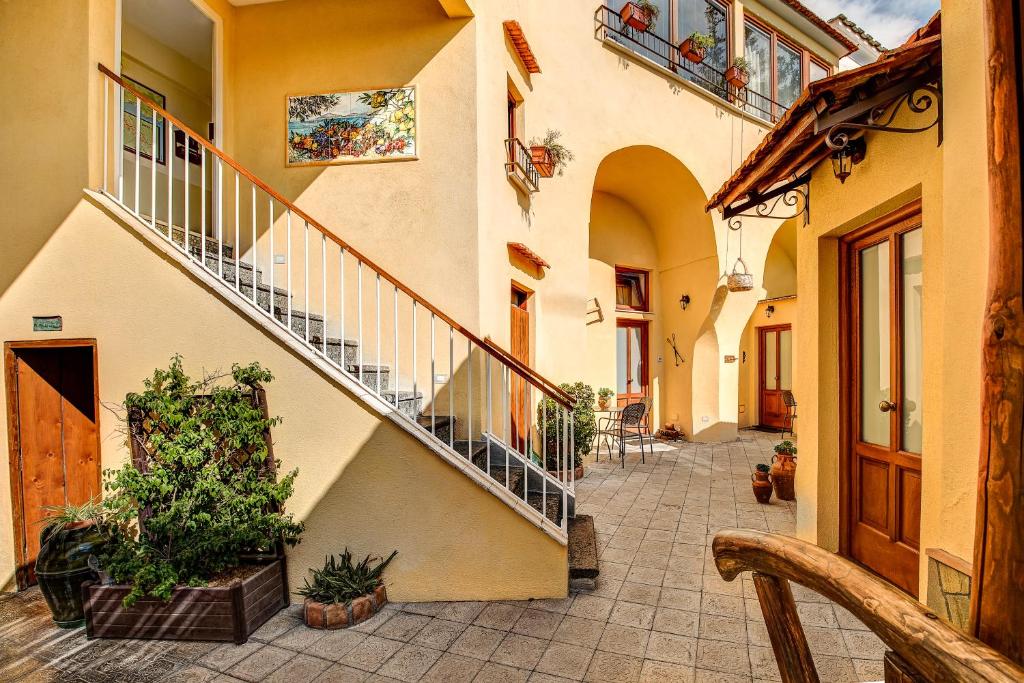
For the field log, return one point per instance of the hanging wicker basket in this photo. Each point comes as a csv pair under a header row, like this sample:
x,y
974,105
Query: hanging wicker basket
x,y
740,281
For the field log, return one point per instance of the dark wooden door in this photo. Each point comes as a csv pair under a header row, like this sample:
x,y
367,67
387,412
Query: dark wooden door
x,y
520,317
882,469
631,346
775,370
54,437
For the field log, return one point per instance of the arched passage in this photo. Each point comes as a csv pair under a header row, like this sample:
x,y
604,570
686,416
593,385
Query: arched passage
x,y
650,244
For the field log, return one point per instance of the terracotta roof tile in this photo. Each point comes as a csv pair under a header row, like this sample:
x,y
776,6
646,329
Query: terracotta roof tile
x,y
518,38
808,14
528,254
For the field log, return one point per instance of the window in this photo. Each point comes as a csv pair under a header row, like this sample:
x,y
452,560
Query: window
x,y
513,104
631,291
779,70
710,17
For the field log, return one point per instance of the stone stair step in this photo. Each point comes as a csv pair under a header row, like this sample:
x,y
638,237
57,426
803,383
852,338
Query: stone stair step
x,y
440,425
582,548
408,403
194,244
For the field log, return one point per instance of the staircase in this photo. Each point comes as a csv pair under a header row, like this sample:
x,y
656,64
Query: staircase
x,y
334,326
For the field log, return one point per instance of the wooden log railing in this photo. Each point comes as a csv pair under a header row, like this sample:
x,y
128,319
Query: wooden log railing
x,y
923,647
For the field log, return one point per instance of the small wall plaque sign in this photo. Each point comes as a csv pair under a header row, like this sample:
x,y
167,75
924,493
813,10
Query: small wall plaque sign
x,y
47,323
730,359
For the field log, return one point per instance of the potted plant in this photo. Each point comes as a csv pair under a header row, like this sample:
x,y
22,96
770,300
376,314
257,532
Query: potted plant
x,y
784,470
696,46
550,155
551,425
604,397
761,483
640,15
71,539
738,75
197,512
343,593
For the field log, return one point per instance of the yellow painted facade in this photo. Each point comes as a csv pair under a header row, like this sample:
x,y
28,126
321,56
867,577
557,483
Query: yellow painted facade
x,y
650,148
950,181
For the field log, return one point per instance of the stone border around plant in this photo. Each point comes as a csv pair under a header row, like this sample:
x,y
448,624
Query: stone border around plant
x,y
338,615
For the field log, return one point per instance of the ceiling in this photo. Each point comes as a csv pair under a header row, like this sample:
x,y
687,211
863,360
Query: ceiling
x,y
178,24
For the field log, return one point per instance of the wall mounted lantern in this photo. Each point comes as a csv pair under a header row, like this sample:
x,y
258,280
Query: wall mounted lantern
x,y
684,301
769,311
844,158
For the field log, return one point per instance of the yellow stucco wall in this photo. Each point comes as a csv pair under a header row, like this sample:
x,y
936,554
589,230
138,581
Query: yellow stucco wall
x,y
749,391
950,181
363,482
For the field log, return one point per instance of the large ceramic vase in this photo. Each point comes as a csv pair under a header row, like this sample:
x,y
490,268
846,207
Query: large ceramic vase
x,y
63,566
784,475
762,486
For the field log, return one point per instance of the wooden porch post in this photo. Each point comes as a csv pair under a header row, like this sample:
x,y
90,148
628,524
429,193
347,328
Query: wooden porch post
x,y
997,601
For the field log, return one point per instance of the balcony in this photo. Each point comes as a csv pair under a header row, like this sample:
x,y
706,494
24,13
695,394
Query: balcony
x,y
519,166
662,53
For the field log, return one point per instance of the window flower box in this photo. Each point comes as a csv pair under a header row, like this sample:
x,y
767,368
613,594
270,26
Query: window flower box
x,y
543,161
691,51
635,17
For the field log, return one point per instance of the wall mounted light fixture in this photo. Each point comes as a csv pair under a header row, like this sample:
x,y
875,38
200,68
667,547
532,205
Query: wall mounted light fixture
x,y
844,158
769,311
684,301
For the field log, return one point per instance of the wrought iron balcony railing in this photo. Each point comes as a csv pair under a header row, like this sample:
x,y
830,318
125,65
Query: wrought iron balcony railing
x,y
519,165
663,53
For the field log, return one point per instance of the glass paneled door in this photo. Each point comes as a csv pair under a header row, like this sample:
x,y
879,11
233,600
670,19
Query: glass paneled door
x,y
775,368
631,360
882,470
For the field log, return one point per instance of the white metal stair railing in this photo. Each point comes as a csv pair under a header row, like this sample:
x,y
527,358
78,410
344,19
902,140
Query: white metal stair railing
x,y
213,210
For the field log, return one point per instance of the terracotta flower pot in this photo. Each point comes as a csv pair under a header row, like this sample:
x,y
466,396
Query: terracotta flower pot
x,y
691,52
577,474
635,17
784,475
543,161
339,615
603,403
762,486
737,77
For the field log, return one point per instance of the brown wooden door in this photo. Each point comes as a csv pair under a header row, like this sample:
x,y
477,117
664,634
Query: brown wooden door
x,y
631,345
520,317
882,468
53,437
775,368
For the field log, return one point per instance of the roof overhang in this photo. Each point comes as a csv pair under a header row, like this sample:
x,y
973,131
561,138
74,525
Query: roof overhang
x,y
833,110
521,46
812,25
456,9
524,252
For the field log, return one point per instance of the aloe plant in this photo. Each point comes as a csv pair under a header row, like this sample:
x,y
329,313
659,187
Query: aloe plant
x,y
342,581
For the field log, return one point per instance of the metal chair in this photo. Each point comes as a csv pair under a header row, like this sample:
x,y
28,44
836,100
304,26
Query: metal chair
x,y
607,426
787,421
648,402
631,417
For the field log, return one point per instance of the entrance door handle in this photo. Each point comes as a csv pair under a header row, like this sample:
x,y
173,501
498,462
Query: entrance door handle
x,y
886,406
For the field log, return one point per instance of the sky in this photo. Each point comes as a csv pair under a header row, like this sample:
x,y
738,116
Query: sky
x,y
889,21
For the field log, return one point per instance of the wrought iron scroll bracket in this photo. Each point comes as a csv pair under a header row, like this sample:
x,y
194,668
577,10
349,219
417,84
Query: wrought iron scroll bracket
x,y
920,98
795,194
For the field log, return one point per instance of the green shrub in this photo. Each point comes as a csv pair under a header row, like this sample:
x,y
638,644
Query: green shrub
x,y
206,490
342,581
785,448
584,424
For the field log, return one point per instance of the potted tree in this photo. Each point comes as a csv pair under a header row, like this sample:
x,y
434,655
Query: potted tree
x,y
604,397
738,75
784,470
696,46
549,155
551,425
72,538
343,593
198,522
761,483
640,15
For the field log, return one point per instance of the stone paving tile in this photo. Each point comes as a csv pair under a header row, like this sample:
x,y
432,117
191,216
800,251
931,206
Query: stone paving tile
x,y
660,612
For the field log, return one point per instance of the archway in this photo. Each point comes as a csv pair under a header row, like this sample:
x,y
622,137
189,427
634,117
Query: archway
x,y
653,275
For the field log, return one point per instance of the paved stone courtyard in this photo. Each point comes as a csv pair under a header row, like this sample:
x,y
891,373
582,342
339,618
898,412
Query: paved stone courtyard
x,y
660,611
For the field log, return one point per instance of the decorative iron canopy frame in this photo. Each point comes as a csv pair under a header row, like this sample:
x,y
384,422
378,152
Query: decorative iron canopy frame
x,y
795,193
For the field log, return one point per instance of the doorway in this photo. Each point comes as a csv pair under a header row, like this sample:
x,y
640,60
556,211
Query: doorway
x,y
520,349
53,425
775,371
882,420
631,344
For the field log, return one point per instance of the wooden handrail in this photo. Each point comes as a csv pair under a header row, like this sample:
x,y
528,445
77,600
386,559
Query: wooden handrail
x,y
527,373
935,649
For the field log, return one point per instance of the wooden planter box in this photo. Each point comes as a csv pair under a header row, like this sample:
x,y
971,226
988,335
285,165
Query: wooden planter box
x,y
634,17
230,614
691,52
542,161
